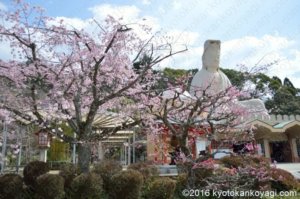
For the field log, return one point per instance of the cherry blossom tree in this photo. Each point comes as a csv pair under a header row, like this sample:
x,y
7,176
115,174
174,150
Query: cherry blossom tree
x,y
218,117
60,73
214,115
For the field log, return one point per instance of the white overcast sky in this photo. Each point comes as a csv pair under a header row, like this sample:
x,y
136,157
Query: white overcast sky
x,y
249,30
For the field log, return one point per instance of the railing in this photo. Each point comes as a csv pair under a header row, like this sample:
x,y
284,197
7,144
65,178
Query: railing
x,y
167,170
56,165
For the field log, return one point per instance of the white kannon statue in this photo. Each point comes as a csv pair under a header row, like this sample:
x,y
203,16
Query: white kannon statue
x,y
210,77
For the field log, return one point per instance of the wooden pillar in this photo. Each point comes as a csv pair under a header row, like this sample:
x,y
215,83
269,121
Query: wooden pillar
x,y
267,148
100,151
125,155
151,148
295,157
129,152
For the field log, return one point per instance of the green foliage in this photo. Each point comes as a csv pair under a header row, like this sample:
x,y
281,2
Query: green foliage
x,y
66,129
50,186
170,76
283,102
69,172
59,151
139,65
275,84
181,184
289,85
87,186
33,170
106,169
174,73
149,172
11,186
161,188
280,91
284,99
237,78
126,185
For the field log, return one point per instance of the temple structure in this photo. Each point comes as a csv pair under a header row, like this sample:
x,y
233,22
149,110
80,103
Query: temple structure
x,y
277,137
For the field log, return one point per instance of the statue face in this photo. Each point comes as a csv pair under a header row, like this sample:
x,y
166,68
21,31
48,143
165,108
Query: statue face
x,y
211,55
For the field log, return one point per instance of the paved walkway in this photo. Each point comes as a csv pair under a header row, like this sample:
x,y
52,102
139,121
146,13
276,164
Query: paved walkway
x,y
166,170
293,168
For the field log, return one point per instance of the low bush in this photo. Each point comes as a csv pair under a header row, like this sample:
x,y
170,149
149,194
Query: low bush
x,y
243,161
233,161
33,170
283,180
200,174
29,193
11,186
87,186
69,172
196,174
147,170
161,188
181,184
106,169
126,185
257,161
50,186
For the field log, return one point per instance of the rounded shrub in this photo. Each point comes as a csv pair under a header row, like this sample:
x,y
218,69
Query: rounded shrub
x,y
161,188
145,169
50,186
11,186
149,172
181,184
200,174
256,161
126,185
87,186
33,170
69,172
283,180
106,169
195,175
233,161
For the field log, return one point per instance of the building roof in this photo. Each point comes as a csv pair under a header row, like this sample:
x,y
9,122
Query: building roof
x,y
276,123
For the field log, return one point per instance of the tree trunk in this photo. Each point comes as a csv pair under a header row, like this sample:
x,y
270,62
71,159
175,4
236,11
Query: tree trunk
x,y
84,157
183,146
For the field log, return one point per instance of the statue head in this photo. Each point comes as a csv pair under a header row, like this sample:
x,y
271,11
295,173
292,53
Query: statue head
x,y
211,55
